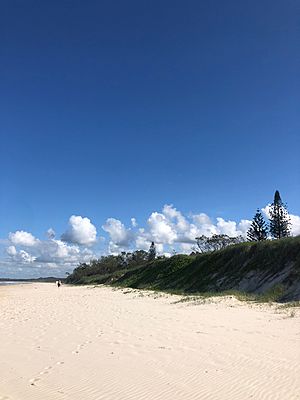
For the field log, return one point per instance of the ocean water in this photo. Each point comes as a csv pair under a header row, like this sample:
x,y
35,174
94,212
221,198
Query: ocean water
x,y
5,283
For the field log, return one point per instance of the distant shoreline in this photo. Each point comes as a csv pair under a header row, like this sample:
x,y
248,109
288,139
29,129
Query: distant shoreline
x,y
50,279
8,283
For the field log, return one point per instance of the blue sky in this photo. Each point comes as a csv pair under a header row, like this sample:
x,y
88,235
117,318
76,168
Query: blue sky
x,y
114,109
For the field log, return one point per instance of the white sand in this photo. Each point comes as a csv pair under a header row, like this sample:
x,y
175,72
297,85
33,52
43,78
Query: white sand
x,y
98,343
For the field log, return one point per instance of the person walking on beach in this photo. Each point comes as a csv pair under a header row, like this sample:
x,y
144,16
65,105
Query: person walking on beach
x,y
58,283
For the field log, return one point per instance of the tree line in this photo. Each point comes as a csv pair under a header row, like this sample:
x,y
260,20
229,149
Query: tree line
x,y
279,222
110,264
278,227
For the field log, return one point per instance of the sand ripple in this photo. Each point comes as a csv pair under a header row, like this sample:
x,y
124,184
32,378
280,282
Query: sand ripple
x,y
98,343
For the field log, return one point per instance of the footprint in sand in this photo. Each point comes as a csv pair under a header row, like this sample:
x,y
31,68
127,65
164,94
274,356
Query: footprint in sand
x,y
164,348
33,381
44,372
81,346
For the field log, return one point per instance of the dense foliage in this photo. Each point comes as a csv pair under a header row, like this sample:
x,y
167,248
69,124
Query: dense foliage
x,y
152,252
253,267
262,267
218,263
258,229
103,269
279,218
216,242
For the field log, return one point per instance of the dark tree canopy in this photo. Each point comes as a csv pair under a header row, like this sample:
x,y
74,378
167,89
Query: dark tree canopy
x,y
258,229
216,242
108,265
279,218
152,252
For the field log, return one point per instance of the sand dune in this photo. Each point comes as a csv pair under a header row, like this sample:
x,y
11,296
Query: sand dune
x,y
99,343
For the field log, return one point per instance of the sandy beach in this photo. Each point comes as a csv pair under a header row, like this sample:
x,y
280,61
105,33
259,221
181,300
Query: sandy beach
x,y
100,343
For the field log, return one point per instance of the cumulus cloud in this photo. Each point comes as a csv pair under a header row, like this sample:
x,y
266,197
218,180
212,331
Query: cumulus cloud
x,y
170,230
243,227
142,240
266,211
23,238
172,214
11,251
50,233
31,254
57,251
80,231
20,256
133,222
51,251
295,224
231,228
46,255
119,235
25,257
202,225
171,226
161,228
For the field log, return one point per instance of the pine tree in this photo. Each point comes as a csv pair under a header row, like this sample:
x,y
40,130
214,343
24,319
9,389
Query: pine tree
x,y
279,218
258,229
152,252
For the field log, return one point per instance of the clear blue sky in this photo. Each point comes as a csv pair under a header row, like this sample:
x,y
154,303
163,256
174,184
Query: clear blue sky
x,y
114,108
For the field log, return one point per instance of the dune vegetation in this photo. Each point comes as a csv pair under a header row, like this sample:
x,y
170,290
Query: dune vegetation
x,y
266,270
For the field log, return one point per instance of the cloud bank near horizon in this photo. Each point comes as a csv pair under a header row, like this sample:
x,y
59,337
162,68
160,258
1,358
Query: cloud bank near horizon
x,y
171,230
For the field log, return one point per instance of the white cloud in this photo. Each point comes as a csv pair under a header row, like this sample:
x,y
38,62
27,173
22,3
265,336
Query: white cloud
x,y
133,222
175,217
43,255
118,233
243,227
202,225
19,256
48,254
142,240
227,227
266,211
23,238
161,229
50,233
170,229
159,249
202,219
295,224
58,251
11,251
81,231
25,257
186,247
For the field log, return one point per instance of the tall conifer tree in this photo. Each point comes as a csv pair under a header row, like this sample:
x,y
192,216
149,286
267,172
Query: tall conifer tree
x,y
279,218
152,252
258,229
